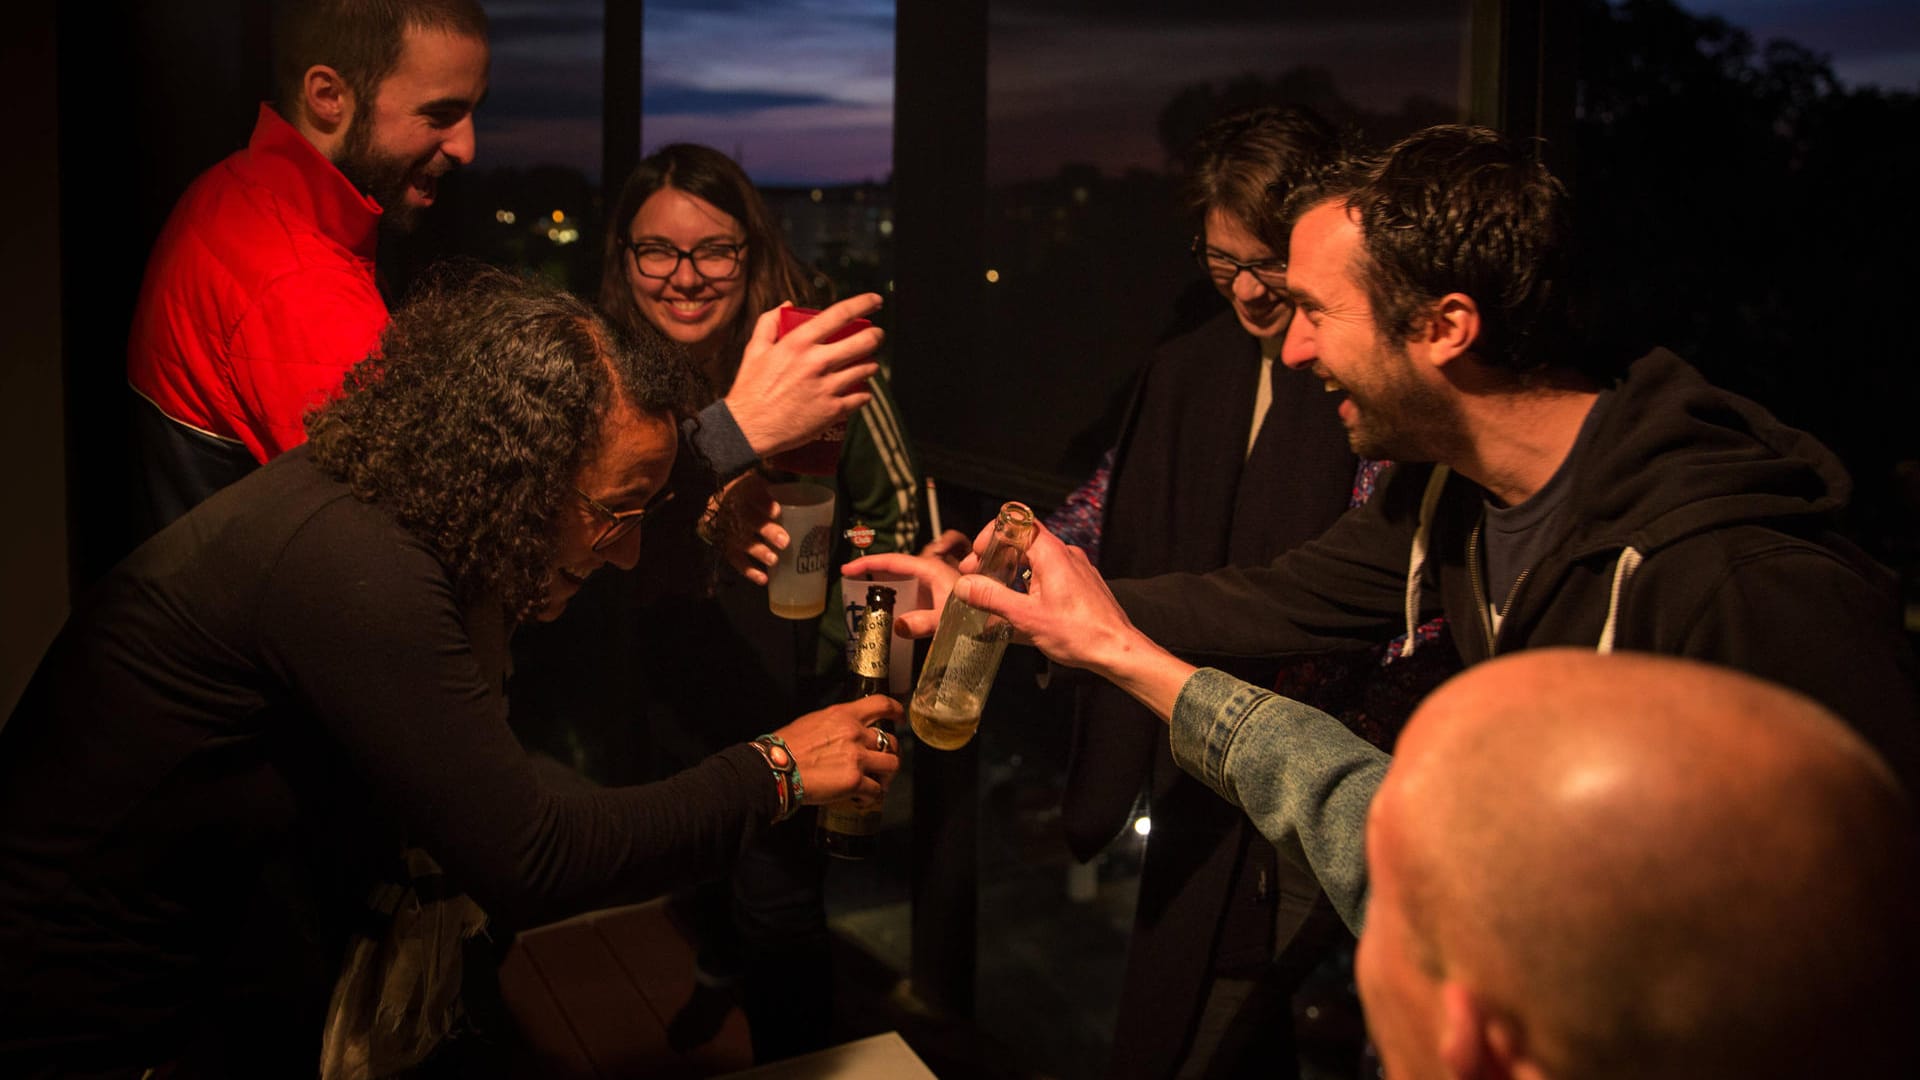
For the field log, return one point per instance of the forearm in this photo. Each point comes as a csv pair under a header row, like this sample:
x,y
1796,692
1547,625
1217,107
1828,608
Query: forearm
x,y
1304,779
1151,674
571,849
1255,612
363,625
1347,589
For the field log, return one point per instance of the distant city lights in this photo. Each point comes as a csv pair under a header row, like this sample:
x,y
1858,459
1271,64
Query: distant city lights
x,y
504,217
993,276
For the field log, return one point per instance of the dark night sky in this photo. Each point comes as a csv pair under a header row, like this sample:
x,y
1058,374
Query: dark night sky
x,y
802,90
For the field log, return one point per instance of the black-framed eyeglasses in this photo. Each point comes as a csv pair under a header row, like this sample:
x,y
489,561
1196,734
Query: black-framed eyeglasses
x,y
620,522
656,259
1223,268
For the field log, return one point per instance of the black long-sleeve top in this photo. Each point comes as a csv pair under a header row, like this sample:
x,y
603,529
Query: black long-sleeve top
x,y
270,693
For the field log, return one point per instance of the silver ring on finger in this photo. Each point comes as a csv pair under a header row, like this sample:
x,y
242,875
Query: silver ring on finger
x,y
882,741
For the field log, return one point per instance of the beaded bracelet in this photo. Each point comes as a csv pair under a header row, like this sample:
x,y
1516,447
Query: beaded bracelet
x,y
786,774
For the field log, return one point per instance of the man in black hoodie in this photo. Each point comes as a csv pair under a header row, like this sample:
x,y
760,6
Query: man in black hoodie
x,y
1654,513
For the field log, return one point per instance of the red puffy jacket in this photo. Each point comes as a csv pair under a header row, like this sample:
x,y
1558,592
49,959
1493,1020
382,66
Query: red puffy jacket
x,y
258,297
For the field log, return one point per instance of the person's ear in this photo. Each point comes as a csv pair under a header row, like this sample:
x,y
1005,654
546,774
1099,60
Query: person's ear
x,y
1465,1035
326,99
1451,327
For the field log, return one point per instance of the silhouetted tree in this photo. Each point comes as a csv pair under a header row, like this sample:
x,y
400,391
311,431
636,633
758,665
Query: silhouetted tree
x,y
1742,206
1197,104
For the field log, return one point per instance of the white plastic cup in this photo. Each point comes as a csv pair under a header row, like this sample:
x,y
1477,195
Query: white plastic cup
x,y
797,584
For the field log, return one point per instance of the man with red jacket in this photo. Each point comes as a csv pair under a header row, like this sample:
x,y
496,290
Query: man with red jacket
x,y
260,292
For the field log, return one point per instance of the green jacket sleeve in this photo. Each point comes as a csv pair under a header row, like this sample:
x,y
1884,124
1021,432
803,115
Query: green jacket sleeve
x,y
878,486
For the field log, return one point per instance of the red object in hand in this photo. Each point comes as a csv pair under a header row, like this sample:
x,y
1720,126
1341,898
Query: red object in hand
x,y
821,457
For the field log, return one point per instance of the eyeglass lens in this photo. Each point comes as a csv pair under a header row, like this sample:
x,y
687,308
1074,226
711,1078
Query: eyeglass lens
x,y
714,261
1224,269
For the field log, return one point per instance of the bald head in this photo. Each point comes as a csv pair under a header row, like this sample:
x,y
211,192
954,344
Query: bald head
x,y
1647,866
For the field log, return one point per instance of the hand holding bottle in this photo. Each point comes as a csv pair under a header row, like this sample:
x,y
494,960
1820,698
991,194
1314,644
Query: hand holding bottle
x,y
1067,612
839,753
1070,615
851,829
965,655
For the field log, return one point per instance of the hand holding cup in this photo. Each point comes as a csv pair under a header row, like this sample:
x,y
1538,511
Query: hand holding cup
x,y
792,386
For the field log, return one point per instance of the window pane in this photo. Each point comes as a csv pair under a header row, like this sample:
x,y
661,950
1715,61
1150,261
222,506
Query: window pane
x,y
1088,108
807,111
798,94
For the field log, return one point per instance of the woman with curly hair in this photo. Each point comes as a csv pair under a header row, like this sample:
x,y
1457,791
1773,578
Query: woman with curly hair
x,y
305,674
694,252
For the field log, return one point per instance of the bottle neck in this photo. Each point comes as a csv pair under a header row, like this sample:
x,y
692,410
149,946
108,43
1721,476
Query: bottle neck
x,y
872,649
1002,559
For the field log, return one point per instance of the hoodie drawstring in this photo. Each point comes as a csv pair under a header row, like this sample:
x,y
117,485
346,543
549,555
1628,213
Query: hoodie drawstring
x,y
1418,560
1623,572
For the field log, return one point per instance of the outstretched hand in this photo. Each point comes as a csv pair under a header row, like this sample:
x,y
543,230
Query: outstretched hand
x,y
837,750
1067,612
936,568
788,391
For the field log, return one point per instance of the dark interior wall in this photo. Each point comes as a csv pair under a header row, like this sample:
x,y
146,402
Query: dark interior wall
x,y
150,95
117,106
33,545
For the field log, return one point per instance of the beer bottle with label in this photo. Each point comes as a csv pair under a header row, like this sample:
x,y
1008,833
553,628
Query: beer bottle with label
x,y
848,831
966,651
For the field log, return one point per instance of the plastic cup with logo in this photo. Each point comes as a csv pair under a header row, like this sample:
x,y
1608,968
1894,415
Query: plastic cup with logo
x,y
820,457
797,584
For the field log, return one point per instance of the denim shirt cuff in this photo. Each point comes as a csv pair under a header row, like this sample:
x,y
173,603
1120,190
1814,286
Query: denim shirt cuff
x,y
1298,773
1206,717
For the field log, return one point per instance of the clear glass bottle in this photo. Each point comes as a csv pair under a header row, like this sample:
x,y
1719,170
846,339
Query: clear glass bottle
x,y
845,830
966,651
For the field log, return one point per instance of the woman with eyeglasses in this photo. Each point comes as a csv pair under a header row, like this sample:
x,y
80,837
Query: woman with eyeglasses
x,y
242,728
694,252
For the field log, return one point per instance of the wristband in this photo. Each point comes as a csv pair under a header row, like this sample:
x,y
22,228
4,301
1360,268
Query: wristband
x,y
786,774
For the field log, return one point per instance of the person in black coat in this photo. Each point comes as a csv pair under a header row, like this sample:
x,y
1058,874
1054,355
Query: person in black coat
x,y
1226,458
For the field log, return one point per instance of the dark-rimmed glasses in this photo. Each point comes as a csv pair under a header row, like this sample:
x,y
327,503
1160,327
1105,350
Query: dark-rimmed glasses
x,y
1223,268
620,522
714,262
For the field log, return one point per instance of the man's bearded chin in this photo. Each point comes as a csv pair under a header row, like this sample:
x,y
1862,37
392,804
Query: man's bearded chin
x,y
383,179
